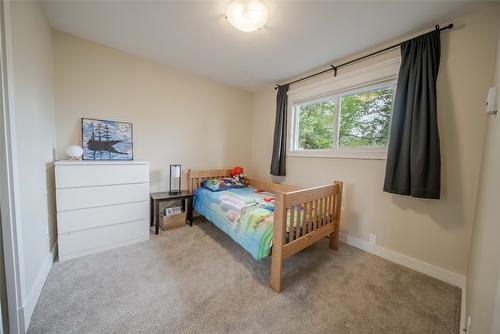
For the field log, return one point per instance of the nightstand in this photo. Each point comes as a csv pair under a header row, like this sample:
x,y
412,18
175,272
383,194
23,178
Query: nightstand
x,y
157,198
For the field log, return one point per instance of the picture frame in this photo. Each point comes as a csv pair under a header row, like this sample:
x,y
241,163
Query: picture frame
x,y
107,140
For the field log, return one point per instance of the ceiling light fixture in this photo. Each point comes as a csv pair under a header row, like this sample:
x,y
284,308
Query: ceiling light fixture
x,y
247,15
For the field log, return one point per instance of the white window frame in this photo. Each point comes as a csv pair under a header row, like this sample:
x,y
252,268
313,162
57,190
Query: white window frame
x,y
383,74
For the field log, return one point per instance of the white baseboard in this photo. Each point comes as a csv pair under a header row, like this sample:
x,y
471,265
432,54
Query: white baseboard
x,y
407,261
30,302
463,324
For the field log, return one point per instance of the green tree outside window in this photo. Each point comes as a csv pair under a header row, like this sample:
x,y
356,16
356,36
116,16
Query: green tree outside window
x,y
316,125
364,121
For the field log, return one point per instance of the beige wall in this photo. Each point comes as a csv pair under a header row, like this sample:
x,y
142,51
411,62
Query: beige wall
x,y
33,81
435,231
483,278
177,117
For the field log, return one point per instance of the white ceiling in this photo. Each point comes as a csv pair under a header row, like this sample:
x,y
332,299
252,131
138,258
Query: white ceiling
x,y
195,37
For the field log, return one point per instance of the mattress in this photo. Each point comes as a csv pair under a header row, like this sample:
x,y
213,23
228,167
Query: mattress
x,y
245,214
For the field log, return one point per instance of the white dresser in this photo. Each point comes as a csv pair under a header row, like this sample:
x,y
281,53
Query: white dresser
x,y
100,205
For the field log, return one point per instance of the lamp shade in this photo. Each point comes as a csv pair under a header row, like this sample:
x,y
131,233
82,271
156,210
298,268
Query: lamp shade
x,y
176,171
74,151
175,179
247,15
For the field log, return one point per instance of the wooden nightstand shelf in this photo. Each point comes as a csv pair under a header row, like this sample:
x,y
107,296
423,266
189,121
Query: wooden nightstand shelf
x,y
157,198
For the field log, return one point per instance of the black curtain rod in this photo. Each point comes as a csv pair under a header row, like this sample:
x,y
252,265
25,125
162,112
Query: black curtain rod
x,y
335,68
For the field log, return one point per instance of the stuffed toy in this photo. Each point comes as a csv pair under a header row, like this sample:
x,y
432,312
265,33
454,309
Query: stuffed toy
x,y
236,171
238,175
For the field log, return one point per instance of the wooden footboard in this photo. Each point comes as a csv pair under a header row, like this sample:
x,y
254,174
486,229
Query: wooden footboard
x,y
301,216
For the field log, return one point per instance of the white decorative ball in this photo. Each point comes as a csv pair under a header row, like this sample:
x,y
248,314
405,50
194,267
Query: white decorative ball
x,y
74,151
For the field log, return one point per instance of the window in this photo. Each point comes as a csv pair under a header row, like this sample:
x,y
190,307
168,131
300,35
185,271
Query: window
x,y
316,124
365,118
352,121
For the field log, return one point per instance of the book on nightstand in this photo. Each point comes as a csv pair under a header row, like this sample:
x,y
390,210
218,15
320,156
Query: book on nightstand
x,y
175,210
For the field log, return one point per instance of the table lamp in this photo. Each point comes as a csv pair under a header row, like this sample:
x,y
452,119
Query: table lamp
x,y
175,179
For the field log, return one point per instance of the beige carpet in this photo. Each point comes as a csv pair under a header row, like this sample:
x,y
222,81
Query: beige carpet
x,y
197,280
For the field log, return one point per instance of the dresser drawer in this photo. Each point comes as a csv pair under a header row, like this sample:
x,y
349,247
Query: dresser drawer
x,y
68,176
82,219
81,198
75,244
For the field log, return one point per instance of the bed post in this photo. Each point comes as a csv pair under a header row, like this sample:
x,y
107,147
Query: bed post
x,y
279,231
334,237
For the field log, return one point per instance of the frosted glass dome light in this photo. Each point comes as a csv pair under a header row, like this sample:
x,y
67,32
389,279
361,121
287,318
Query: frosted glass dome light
x,y
74,152
247,15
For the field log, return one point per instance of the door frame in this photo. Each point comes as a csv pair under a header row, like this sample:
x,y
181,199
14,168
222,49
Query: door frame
x,y
9,182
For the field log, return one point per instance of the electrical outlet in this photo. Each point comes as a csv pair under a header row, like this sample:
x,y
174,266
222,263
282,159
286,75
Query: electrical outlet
x,y
46,230
372,239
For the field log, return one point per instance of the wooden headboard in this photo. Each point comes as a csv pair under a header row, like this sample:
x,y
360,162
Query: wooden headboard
x,y
195,177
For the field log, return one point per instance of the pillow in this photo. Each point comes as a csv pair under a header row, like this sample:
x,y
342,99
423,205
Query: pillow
x,y
219,185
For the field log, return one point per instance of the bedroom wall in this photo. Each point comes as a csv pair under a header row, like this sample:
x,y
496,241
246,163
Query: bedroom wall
x,y
483,277
176,116
434,231
34,133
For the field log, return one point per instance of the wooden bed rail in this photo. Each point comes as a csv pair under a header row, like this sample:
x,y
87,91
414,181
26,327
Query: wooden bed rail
x,y
301,218
195,177
271,187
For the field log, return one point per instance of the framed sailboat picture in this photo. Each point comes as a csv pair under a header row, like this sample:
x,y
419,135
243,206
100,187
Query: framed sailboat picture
x,y
107,140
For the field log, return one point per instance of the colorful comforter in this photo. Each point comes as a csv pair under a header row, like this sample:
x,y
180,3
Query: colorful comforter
x,y
245,214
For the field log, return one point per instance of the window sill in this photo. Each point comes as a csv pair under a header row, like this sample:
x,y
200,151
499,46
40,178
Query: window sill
x,y
364,154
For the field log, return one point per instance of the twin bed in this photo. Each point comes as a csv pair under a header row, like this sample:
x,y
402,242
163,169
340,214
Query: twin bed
x,y
268,218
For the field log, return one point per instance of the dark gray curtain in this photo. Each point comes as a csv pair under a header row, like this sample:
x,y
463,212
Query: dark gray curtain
x,y
278,160
414,160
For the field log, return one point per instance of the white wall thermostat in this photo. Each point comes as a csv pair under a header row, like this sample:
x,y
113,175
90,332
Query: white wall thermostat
x,y
491,103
